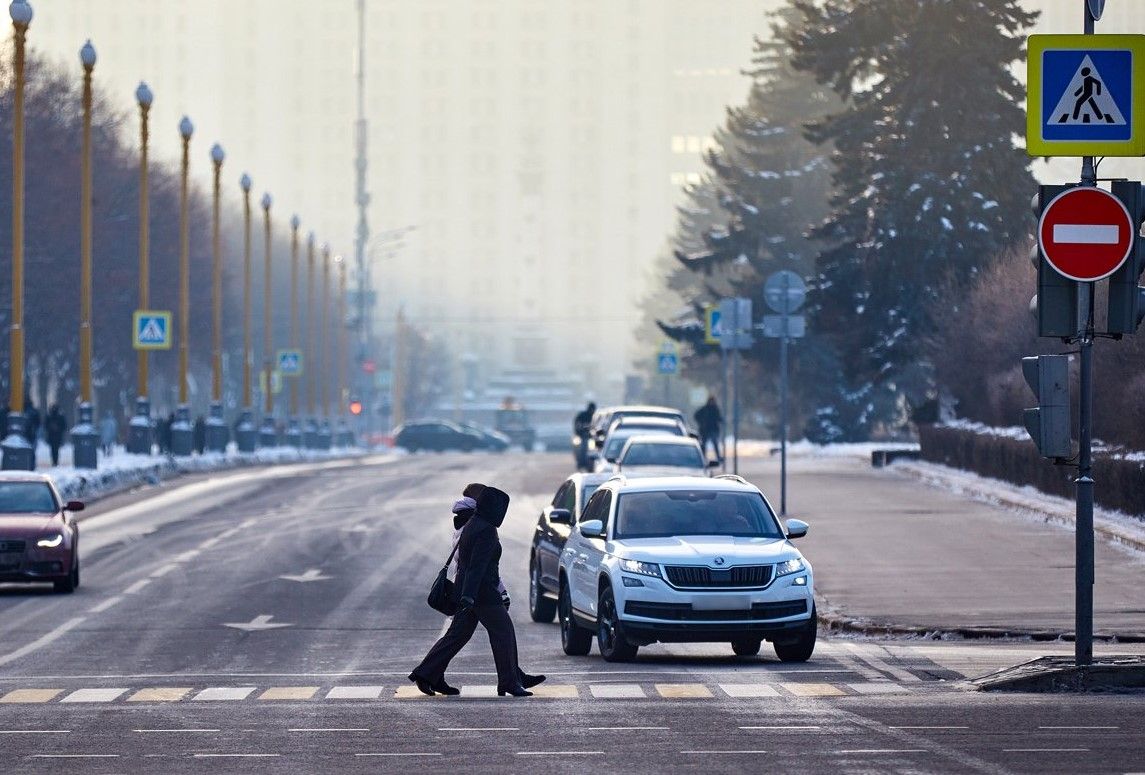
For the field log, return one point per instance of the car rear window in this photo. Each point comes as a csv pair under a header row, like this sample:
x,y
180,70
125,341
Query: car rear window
x,y
694,512
650,454
27,498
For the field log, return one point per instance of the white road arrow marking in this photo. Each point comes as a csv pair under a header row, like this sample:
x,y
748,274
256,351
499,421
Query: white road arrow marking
x,y
1086,234
311,575
260,622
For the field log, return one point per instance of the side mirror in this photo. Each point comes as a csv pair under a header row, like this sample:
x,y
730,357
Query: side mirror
x,y
713,464
560,516
594,528
796,528
611,459
74,506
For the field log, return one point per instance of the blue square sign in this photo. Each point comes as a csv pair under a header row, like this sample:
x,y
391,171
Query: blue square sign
x,y
1085,95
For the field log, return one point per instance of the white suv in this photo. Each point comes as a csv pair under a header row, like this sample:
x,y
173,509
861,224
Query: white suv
x,y
684,559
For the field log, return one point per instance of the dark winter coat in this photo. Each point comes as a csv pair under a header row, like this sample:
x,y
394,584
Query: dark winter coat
x,y
708,419
479,550
55,426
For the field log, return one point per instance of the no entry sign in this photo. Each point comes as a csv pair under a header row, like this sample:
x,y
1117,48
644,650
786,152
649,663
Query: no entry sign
x,y
1085,234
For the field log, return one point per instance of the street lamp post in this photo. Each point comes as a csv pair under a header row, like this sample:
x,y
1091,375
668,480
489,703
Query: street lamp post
x,y
181,436
85,440
325,435
268,434
246,437
310,436
140,430
18,453
293,429
344,437
216,425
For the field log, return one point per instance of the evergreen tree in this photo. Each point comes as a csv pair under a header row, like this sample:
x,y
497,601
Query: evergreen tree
x,y
928,184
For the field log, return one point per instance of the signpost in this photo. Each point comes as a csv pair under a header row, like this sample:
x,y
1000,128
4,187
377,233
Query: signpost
x,y
1086,234
290,363
712,324
785,293
668,362
151,329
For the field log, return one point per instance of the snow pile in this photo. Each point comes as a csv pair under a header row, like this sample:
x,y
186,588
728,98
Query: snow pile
x,y
1006,432
804,448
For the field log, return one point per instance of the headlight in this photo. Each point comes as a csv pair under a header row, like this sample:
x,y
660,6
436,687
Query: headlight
x,y
643,568
51,542
785,568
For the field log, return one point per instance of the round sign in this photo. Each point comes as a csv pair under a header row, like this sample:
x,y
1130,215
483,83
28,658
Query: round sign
x,y
1085,234
1096,7
785,291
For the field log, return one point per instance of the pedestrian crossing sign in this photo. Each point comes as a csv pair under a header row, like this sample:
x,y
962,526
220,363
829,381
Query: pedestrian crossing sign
x,y
290,363
151,329
1085,95
668,359
712,324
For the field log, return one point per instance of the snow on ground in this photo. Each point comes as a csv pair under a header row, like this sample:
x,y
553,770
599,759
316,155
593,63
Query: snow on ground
x,y
122,470
803,448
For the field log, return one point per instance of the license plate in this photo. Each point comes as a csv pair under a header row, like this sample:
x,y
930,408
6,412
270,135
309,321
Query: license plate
x,y
721,603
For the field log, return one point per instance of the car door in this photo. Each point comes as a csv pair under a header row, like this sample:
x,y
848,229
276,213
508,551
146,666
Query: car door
x,y
594,554
588,554
550,541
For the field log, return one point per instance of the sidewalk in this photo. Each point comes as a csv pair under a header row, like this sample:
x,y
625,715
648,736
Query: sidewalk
x,y
892,548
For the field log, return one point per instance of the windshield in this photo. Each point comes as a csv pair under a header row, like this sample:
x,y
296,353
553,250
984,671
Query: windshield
x,y
651,454
27,498
694,512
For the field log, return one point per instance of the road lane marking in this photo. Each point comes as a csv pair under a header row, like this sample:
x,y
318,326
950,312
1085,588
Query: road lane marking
x,y
928,727
161,572
749,690
1081,727
43,640
160,694
175,731
617,691
409,693
106,604
75,756
210,543
705,753
879,664
257,624
625,729
683,691
235,755
31,695
94,695
355,693
478,729
784,728
34,731
327,729
879,687
813,690
136,586
289,693
556,691
560,753
482,691
187,556
223,693
418,753
881,750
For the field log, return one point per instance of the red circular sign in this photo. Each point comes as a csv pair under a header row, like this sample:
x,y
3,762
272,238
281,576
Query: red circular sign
x,y
1085,233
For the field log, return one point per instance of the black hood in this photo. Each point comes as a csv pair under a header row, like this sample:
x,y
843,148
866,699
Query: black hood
x,y
492,505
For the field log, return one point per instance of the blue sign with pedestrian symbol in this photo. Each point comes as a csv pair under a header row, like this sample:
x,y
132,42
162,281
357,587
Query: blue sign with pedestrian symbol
x,y
668,361
151,330
1086,95
290,363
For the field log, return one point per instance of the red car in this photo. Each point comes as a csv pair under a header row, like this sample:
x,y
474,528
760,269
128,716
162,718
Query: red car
x,y
39,538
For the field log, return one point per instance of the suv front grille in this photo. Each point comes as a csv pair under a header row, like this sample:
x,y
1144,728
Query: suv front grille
x,y
683,612
702,577
11,547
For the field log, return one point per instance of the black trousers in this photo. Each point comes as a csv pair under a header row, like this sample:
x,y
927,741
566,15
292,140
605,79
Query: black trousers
x,y
502,639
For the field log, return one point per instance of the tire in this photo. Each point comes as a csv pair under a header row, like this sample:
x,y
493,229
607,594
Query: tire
x,y
68,583
803,647
614,647
575,640
541,609
746,647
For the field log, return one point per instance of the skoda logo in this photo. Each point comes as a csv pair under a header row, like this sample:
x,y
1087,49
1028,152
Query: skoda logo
x,y
719,561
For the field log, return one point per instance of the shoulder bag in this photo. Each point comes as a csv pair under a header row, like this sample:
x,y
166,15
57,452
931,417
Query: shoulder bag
x,y
441,593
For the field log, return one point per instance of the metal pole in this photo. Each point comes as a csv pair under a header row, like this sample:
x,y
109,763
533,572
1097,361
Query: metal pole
x,y
185,129
247,398
783,419
362,233
340,352
216,283
294,222
267,334
324,337
85,233
311,329
143,95
722,451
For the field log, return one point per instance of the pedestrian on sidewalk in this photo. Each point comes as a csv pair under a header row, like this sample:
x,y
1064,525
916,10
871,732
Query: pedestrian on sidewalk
x,y
55,427
483,598
582,428
108,432
31,425
199,434
709,421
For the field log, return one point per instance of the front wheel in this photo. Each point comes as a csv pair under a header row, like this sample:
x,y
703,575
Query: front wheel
x,y
541,609
614,647
68,584
746,647
801,648
575,640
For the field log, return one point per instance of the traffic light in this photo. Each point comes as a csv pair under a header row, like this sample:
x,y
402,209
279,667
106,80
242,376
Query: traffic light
x,y
1126,298
355,407
1048,424
1056,301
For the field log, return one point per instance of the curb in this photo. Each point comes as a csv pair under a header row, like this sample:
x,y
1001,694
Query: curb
x,y
1059,674
838,623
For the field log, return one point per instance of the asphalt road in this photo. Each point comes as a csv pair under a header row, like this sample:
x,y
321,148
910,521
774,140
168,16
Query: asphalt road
x,y
264,621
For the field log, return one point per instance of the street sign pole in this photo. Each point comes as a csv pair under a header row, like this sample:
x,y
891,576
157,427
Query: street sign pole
x,y
784,291
722,450
736,328
783,420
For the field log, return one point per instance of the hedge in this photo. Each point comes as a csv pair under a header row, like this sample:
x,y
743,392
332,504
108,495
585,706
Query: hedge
x,y
1120,484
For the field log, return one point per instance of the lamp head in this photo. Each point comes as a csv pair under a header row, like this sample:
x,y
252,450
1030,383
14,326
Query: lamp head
x,y
244,181
338,259
266,201
310,238
143,95
87,56
295,222
186,128
21,12
217,154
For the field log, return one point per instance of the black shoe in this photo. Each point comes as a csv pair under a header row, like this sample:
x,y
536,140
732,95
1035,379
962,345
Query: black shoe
x,y
529,681
441,687
515,691
423,685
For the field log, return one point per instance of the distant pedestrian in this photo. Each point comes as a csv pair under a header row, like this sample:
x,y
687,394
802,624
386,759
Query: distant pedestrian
x,y
709,421
108,432
582,426
199,434
165,433
31,424
4,420
55,427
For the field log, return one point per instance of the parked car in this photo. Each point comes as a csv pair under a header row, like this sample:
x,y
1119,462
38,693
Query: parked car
x,y
609,451
603,419
486,438
553,526
680,559
435,435
663,454
39,538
